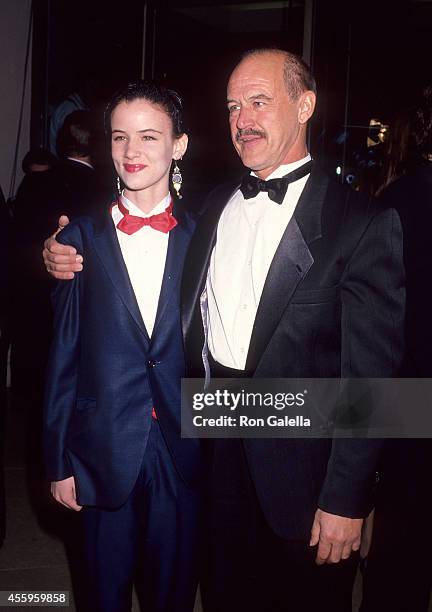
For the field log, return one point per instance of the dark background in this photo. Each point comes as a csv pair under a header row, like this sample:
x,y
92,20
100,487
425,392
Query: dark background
x,y
369,58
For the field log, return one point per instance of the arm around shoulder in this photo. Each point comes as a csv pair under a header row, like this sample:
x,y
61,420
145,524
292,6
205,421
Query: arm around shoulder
x,y
60,259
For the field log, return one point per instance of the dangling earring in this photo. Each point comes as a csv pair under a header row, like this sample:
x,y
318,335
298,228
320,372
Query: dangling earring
x,y
177,179
118,186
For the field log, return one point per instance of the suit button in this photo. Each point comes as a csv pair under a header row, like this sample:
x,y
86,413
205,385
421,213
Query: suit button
x,y
151,363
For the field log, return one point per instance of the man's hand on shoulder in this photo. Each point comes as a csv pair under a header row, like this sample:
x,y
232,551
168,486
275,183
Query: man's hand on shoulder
x,y
337,536
61,260
64,492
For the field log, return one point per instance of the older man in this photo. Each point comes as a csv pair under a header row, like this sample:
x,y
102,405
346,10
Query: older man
x,y
288,275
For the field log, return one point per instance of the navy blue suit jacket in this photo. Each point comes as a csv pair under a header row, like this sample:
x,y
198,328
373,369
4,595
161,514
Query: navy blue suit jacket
x,y
105,373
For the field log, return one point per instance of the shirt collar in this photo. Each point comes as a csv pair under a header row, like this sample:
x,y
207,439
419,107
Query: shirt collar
x,y
134,210
286,168
80,161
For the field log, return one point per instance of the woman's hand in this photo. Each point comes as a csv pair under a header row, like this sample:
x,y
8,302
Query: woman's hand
x,y
64,492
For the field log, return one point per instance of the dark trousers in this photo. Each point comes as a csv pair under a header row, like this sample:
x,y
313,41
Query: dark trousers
x,y
249,567
153,540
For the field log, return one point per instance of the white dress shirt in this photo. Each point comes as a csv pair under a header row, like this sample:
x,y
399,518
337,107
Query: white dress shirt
x,y
144,253
248,234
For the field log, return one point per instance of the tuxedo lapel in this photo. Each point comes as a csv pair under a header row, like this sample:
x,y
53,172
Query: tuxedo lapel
x,y
108,249
290,264
177,246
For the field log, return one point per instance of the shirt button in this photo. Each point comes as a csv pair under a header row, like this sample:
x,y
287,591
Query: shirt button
x,y
244,306
151,363
242,351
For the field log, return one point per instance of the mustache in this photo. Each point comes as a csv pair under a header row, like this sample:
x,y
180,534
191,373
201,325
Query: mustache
x,y
248,132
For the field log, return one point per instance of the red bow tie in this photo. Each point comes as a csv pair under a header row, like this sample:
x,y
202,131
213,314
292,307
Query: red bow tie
x,y
129,224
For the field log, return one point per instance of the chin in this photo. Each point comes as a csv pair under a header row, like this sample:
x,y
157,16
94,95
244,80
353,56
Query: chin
x,y
251,162
252,159
134,185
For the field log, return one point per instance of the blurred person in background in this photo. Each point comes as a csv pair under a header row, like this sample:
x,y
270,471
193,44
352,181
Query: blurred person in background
x,y
81,188
31,205
398,574
74,101
50,187
32,213
38,160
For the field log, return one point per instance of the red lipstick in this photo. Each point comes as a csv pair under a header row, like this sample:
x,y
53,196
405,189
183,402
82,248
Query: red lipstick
x,y
134,167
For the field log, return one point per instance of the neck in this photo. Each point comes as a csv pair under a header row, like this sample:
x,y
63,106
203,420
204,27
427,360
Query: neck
x,y
147,199
296,153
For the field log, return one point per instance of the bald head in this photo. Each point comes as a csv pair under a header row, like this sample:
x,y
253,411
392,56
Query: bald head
x,y
269,106
296,73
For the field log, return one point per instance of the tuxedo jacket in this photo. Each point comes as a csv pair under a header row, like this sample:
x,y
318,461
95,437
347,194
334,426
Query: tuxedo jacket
x,y
332,306
105,373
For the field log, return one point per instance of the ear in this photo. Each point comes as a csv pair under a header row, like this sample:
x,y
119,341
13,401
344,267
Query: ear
x,y
306,106
180,146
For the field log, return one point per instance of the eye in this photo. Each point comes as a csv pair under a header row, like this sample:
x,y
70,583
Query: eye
x,y
233,107
119,138
147,137
258,103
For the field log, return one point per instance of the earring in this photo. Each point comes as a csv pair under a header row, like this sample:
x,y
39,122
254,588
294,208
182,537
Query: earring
x,y
177,179
118,186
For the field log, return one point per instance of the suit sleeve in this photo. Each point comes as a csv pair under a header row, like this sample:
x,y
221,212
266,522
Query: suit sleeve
x,y
373,308
62,370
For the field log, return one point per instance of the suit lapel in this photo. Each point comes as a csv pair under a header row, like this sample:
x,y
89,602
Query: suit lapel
x,y
290,264
177,246
108,249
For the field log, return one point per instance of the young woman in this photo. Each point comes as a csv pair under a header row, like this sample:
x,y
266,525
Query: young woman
x,y
112,416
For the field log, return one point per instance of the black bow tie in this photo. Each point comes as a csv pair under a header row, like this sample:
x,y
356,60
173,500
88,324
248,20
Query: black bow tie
x,y
276,188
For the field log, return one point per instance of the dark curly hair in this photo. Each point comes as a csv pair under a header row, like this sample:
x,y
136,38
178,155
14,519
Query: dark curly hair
x,y
168,99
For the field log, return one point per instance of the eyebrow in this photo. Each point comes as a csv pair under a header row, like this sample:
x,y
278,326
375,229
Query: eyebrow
x,y
138,132
260,96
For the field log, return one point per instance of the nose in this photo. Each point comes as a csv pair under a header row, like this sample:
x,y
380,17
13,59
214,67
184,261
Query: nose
x,y
131,150
244,118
